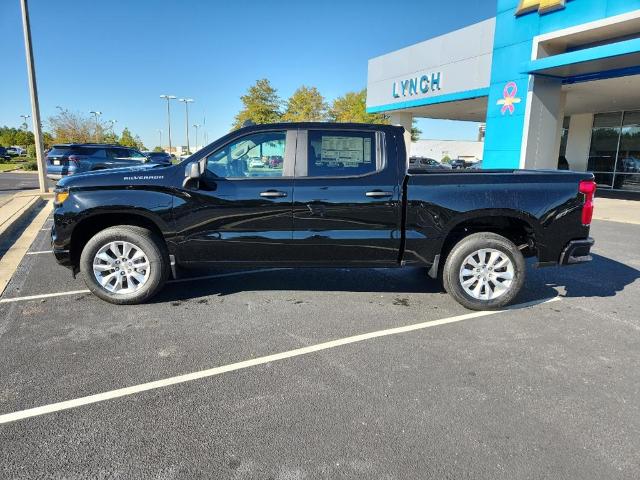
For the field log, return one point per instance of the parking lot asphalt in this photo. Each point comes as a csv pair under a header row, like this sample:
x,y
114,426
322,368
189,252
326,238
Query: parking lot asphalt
x,y
545,391
11,183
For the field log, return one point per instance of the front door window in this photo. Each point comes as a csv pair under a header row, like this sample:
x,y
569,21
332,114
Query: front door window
x,y
253,156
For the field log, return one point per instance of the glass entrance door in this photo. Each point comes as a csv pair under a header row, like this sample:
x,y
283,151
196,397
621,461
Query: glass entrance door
x,y
614,156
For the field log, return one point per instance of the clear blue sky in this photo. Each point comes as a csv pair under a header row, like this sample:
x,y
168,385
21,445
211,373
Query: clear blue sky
x,y
118,56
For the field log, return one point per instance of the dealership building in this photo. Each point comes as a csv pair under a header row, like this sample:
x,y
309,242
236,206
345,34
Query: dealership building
x,y
556,81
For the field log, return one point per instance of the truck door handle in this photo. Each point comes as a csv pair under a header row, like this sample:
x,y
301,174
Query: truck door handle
x,y
379,194
273,194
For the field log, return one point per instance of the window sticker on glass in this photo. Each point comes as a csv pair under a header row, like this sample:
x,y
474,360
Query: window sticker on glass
x,y
341,153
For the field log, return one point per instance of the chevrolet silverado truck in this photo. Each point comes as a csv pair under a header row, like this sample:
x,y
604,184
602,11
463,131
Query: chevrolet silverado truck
x,y
319,195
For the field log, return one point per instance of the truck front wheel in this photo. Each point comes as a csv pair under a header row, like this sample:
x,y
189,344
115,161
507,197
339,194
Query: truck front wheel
x,y
484,271
124,264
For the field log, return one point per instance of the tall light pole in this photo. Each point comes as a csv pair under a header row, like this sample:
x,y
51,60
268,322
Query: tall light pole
x,y
160,133
196,126
24,121
186,102
97,114
33,91
204,124
168,98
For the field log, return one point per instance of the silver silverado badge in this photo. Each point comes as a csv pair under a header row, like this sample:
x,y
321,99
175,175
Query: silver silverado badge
x,y
144,177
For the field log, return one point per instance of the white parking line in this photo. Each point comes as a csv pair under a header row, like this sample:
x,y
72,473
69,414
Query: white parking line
x,y
39,252
189,377
44,295
180,280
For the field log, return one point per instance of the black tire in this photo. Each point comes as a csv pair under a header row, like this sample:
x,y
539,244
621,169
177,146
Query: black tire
x,y
467,246
152,246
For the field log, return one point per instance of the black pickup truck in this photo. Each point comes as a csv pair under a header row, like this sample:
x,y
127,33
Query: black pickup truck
x,y
319,195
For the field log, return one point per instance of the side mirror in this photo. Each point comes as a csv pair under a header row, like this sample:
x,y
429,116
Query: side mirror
x,y
191,173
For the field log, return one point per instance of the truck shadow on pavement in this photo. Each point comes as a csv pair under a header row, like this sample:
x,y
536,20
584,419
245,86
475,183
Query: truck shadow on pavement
x,y
603,277
410,280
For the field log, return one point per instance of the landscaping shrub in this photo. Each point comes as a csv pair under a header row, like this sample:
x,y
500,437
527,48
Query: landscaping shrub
x,y
31,165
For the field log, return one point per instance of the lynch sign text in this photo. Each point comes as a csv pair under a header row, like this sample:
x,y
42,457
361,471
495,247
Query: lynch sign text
x,y
417,85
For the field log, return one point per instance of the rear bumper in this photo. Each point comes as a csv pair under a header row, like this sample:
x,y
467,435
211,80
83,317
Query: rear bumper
x,y
577,251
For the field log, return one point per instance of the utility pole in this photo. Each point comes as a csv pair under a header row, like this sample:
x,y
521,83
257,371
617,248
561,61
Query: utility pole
x,y
33,91
96,113
204,125
186,102
196,126
168,98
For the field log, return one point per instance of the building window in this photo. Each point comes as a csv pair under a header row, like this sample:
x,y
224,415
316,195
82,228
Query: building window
x,y
614,156
605,137
628,165
564,136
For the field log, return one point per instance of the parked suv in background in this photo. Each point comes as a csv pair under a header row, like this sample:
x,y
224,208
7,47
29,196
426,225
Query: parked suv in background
x,y
4,155
67,159
424,163
15,151
159,157
460,163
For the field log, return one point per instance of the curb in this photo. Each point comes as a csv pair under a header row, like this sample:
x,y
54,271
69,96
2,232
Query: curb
x,y
15,219
12,257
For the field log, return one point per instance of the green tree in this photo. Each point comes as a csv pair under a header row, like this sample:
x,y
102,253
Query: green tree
x,y
415,132
15,136
306,105
352,107
72,127
158,149
261,104
47,139
128,140
446,159
110,137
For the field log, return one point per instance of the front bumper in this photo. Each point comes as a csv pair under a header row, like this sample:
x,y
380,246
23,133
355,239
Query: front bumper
x,y
577,251
63,255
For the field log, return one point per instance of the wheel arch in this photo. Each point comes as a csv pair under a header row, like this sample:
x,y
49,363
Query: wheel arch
x,y
101,220
516,226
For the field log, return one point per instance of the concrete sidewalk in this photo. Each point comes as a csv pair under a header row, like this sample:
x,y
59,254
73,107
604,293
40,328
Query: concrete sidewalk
x,y
617,210
14,209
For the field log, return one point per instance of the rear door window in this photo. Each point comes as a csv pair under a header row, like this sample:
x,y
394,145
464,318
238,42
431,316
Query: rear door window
x,y
334,153
92,152
137,156
59,152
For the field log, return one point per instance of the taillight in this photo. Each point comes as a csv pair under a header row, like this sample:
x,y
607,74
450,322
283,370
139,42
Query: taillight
x,y
588,188
74,159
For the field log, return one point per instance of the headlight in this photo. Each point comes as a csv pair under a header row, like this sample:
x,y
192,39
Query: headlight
x,y
59,196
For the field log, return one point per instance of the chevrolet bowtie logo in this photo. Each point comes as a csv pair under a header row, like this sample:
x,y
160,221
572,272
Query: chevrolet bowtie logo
x,y
543,6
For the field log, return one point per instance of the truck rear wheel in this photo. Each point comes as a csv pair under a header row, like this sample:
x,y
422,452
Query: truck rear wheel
x,y
484,271
124,264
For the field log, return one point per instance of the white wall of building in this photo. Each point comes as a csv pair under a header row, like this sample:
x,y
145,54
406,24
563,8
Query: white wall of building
x,y
579,141
437,149
462,59
543,124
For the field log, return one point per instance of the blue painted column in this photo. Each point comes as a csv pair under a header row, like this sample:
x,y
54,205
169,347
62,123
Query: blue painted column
x,y
508,89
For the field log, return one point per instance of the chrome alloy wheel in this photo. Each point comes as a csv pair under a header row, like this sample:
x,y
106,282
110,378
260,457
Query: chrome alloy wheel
x,y
486,274
121,267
